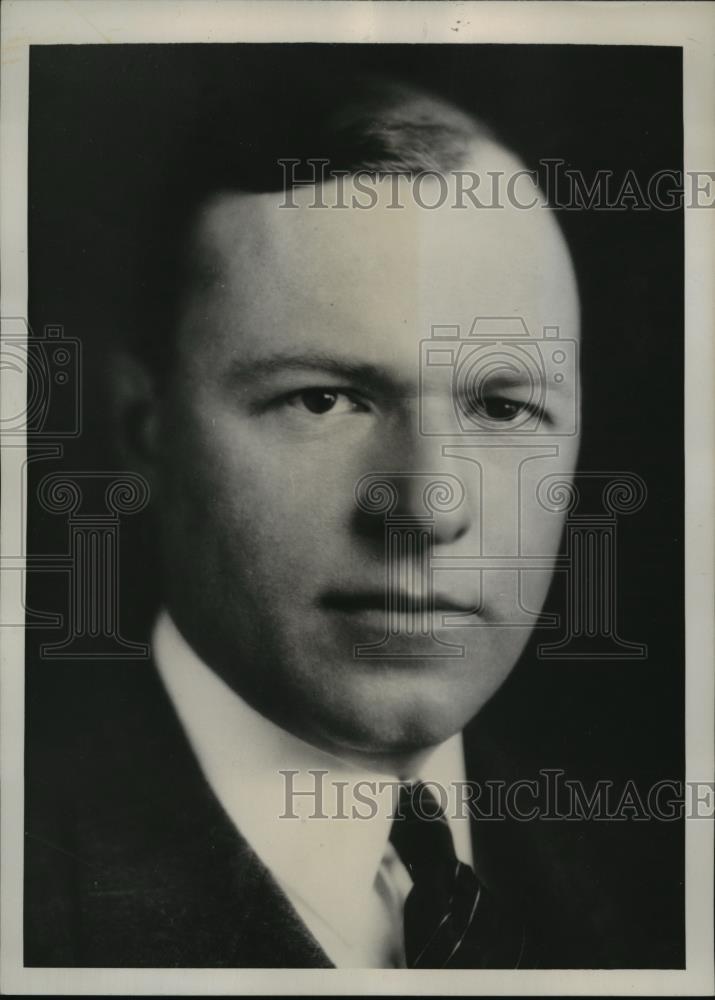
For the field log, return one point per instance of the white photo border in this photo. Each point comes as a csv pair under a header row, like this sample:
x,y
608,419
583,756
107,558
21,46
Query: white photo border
x,y
690,26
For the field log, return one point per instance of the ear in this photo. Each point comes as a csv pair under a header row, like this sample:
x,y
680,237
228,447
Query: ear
x,y
136,406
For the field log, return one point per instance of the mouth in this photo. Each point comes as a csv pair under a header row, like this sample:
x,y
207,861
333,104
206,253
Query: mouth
x,y
397,604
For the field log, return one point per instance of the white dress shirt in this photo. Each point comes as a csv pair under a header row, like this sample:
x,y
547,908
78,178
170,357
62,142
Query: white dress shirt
x,y
340,873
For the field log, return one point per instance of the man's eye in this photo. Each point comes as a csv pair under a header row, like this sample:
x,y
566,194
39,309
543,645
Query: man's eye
x,y
324,401
499,408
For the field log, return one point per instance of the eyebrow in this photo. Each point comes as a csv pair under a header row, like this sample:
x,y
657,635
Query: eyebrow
x,y
376,377
364,373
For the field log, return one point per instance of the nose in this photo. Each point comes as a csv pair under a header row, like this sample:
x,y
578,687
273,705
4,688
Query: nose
x,y
416,484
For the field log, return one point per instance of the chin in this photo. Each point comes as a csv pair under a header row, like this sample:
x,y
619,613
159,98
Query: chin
x,y
407,716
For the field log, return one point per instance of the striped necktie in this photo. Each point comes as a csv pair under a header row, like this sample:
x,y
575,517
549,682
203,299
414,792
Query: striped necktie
x,y
450,919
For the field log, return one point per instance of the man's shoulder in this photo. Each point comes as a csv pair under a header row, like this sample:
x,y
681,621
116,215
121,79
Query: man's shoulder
x,y
579,881
98,731
130,859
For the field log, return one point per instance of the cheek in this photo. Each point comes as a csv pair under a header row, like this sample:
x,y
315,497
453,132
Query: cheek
x,y
271,501
514,514
543,520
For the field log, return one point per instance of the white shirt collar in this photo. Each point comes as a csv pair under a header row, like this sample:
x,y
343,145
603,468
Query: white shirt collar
x,y
242,755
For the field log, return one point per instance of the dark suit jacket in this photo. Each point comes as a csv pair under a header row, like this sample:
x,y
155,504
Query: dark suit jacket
x,y
131,861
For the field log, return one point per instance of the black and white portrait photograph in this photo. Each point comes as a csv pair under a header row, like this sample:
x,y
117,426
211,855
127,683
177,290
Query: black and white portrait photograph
x,y
357,550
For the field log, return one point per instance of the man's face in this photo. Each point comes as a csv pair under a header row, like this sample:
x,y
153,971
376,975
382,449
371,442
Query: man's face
x,y
298,373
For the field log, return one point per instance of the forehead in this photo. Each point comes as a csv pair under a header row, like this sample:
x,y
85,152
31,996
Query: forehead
x,y
380,277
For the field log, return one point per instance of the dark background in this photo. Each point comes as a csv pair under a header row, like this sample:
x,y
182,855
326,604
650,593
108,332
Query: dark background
x,y
100,117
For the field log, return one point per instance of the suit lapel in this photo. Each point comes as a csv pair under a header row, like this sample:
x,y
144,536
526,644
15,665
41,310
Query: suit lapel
x,y
159,874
